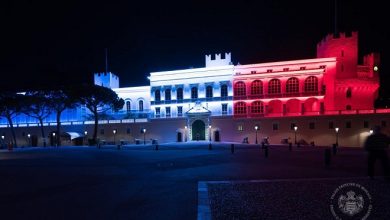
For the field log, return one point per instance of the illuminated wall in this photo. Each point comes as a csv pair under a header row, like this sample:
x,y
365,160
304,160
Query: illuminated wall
x,y
109,80
172,93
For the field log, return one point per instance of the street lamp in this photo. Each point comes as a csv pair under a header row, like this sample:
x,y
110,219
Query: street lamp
x,y
86,137
185,133
54,138
209,133
371,131
256,128
114,132
295,132
29,139
337,136
144,131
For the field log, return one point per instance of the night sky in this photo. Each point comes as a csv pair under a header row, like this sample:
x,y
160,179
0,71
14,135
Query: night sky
x,y
63,43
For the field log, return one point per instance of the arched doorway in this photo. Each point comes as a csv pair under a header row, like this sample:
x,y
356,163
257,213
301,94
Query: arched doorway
x,y
217,137
198,130
179,138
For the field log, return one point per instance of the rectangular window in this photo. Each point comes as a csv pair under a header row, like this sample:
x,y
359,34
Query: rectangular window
x,y
253,72
102,131
365,124
302,68
240,128
128,131
179,94
168,112
157,112
322,67
312,125
348,124
383,124
224,109
331,125
285,69
269,71
179,111
275,126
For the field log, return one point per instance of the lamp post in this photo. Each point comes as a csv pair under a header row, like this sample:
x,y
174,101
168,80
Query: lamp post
x,y
295,133
144,131
29,139
256,128
209,133
337,136
371,131
54,138
185,133
86,137
114,132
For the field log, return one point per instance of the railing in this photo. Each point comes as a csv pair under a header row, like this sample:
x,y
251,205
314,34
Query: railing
x,y
281,95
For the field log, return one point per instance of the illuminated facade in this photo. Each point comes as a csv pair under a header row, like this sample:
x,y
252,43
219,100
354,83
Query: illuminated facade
x,y
224,102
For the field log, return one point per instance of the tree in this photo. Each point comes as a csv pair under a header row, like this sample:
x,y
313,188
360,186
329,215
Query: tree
x,y
38,106
60,100
98,100
10,107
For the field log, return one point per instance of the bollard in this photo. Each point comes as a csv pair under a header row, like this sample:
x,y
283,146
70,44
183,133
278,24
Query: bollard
x,y
156,147
266,152
119,146
334,149
210,148
290,146
327,157
232,148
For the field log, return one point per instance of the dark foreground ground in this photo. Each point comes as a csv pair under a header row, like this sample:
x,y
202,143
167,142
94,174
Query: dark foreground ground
x,y
142,183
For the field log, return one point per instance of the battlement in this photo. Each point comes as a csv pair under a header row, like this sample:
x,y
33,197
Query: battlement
x,y
218,61
342,36
106,79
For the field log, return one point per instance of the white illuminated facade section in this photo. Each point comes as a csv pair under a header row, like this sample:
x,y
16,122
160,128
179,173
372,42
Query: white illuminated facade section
x,y
173,93
135,98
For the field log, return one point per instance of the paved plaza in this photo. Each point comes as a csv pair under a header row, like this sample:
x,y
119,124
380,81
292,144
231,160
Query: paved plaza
x,y
140,182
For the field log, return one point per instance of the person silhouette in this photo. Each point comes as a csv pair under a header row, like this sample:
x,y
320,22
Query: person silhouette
x,y
376,145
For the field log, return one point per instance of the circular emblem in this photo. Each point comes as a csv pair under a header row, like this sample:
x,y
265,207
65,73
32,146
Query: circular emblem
x,y
350,201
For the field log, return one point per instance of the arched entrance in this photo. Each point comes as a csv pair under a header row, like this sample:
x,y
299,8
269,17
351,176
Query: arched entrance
x,y
179,138
198,130
217,138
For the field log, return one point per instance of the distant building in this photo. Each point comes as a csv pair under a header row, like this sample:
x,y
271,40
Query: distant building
x,y
224,102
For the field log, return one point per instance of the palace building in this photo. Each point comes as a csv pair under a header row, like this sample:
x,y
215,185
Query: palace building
x,y
288,101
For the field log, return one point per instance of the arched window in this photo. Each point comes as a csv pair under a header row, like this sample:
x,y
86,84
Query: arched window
x,y
257,107
167,95
239,89
240,108
157,95
194,93
224,91
179,94
209,92
274,86
292,85
140,105
257,87
128,106
311,84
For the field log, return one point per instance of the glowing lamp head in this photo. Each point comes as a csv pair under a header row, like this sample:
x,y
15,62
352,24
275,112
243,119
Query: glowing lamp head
x,y
85,133
209,126
28,135
376,68
295,128
185,127
2,137
54,134
256,127
371,131
114,131
144,130
337,130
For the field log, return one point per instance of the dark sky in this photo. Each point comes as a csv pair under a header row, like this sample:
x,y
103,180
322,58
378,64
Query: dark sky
x,y
63,43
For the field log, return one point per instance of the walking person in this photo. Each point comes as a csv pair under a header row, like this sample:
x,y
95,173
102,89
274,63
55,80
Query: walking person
x,y
376,145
